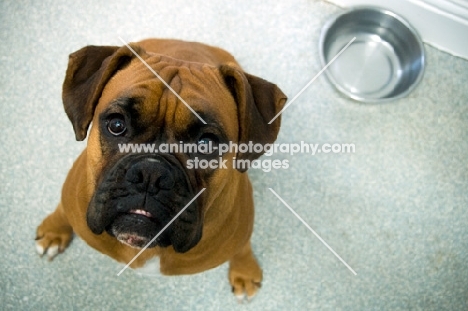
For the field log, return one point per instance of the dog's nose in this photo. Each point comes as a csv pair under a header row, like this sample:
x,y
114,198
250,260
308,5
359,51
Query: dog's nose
x,y
150,175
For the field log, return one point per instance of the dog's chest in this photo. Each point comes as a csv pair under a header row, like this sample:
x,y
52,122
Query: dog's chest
x,y
151,268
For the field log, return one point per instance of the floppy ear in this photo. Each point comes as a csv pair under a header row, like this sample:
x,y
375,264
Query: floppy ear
x,y
258,102
89,69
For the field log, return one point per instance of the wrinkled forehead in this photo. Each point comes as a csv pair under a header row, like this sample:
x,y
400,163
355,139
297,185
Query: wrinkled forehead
x,y
171,95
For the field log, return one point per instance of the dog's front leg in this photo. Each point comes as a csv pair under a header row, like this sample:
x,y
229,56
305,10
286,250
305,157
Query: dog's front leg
x,y
245,275
54,234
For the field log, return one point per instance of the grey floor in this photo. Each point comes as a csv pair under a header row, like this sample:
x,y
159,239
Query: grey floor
x,y
395,210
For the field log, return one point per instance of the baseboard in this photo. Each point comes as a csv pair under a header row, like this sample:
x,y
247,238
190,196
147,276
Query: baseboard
x,y
440,23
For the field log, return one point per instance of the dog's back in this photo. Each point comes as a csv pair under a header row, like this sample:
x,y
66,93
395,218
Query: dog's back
x,y
189,51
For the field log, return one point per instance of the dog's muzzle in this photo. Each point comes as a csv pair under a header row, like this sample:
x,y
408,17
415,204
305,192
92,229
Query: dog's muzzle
x,y
139,196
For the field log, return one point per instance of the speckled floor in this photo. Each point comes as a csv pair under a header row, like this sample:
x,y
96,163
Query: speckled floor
x,y
395,210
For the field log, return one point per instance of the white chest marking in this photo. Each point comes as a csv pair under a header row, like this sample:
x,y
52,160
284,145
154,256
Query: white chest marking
x,y
151,268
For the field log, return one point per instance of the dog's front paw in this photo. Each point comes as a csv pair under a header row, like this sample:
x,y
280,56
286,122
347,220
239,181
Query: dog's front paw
x,y
245,282
245,275
53,236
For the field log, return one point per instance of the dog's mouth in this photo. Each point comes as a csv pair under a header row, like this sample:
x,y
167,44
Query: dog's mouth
x,y
139,196
138,227
141,212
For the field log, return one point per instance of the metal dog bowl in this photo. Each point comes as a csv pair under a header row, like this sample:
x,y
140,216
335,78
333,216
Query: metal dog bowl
x,y
384,62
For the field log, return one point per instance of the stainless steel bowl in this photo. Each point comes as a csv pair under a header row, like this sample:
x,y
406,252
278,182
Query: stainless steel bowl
x,y
384,62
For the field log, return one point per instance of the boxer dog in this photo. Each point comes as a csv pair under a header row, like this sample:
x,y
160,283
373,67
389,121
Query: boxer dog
x,y
117,202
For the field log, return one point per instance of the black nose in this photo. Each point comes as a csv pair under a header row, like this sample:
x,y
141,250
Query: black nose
x,y
150,175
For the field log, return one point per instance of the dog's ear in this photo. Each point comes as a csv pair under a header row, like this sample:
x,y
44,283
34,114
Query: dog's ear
x,y
258,102
89,69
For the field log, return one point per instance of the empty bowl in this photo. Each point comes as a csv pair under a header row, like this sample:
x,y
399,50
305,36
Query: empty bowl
x,y
384,62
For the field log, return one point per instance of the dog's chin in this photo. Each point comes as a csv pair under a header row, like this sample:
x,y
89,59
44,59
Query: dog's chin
x,y
138,230
132,240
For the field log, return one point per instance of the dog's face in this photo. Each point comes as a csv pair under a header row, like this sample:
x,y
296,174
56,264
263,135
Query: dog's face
x,y
138,194
134,195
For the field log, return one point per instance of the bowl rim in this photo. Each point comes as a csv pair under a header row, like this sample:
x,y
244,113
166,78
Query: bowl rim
x,y
332,20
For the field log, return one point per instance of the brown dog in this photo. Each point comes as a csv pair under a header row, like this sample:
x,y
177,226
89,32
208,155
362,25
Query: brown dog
x,y
117,202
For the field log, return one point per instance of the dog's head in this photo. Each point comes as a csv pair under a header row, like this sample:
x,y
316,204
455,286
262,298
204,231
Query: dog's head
x,y
134,195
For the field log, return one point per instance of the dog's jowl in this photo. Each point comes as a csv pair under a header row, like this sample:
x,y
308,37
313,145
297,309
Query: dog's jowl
x,y
119,201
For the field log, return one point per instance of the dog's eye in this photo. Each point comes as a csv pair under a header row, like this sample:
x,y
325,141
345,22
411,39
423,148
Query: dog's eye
x,y
207,144
116,125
